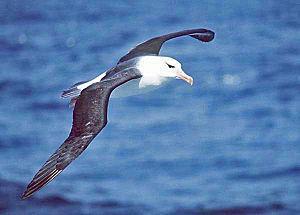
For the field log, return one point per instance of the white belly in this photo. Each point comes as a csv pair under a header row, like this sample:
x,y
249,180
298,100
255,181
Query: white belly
x,y
131,88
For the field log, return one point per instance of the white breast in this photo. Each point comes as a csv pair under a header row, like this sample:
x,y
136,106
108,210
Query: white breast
x,y
132,88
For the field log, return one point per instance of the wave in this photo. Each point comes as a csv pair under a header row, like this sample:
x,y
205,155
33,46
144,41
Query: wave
x,y
238,210
292,171
11,203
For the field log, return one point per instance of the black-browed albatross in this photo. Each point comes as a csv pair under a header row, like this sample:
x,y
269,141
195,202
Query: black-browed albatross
x,y
141,69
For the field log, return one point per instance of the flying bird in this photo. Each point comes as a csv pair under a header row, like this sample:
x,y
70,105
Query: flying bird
x,y
140,70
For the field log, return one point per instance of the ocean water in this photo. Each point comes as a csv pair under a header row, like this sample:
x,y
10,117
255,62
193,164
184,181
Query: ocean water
x,y
227,145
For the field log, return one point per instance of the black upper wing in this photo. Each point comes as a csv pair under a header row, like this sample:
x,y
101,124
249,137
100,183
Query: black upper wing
x,y
89,118
152,46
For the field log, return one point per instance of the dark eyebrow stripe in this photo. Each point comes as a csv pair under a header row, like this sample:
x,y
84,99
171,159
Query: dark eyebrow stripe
x,y
170,66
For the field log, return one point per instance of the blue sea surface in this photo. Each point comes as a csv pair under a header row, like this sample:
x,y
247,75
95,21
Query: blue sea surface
x,y
230,144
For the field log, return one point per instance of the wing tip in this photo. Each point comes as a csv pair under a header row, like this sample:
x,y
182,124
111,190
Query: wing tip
x,y
206,36
34,187
25,195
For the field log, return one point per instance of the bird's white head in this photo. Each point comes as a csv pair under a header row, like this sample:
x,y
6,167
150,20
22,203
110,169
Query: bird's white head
x,y
158,69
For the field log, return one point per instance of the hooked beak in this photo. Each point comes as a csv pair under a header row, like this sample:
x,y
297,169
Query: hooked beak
x,y
183,76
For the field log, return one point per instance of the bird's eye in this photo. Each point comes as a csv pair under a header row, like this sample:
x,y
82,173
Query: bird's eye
x,y
170,66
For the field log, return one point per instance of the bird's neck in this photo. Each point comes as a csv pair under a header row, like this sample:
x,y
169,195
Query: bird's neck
x,y
150,68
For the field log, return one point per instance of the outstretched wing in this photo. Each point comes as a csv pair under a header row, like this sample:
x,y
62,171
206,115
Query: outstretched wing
x,y
152,46
89,118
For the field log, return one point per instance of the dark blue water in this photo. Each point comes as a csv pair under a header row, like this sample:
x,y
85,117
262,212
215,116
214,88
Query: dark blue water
x,y
227,145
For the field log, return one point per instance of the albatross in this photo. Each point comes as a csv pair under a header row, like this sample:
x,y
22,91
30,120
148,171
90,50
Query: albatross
x,y
140,70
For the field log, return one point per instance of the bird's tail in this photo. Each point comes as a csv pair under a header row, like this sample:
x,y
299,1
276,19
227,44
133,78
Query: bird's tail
x,y
73,91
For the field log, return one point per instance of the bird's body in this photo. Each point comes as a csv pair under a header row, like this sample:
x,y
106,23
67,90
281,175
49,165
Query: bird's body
x,y
151,69
139,71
